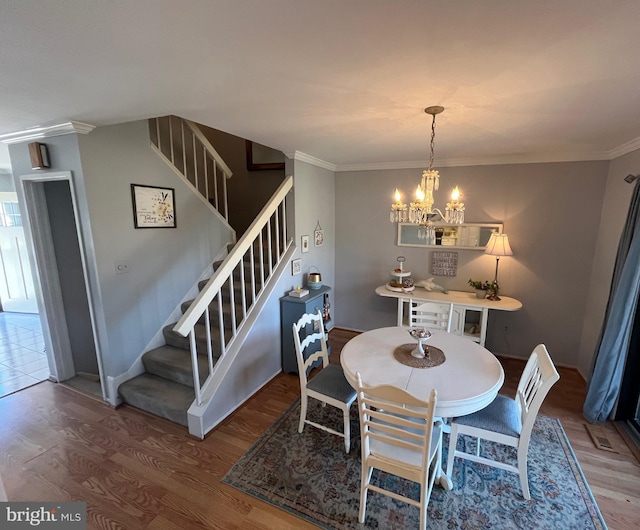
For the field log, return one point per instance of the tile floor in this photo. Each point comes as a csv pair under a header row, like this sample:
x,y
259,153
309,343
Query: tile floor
x,y
23,361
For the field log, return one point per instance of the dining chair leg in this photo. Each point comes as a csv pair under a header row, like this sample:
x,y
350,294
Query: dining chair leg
x,y
523,472
347,430
364,482
453,443
424,500
303,412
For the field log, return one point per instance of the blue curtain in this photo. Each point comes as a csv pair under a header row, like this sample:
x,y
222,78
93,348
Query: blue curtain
x,y
613,344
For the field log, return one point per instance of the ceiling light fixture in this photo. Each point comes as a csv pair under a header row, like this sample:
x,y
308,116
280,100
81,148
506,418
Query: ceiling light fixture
x,y
421,211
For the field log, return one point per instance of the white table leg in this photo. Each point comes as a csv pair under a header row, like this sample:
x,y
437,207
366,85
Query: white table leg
x,y
441,477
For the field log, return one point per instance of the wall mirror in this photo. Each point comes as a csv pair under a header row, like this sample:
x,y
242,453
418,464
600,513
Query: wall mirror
x,y
470,236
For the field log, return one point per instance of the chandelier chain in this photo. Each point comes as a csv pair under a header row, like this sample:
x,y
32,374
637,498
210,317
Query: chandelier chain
x,y
433,136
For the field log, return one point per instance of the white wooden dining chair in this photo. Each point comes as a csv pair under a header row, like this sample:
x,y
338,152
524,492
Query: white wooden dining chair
x,y
508,421
430,315
398,436
329,385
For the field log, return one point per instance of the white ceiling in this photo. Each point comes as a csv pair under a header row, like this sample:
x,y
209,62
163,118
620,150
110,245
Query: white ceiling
x,y
344,81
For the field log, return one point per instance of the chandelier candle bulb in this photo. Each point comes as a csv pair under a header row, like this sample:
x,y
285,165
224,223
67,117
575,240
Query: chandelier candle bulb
x,y
398,210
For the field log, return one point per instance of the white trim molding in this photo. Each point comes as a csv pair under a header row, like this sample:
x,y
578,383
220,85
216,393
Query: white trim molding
x,y
303,157
43,132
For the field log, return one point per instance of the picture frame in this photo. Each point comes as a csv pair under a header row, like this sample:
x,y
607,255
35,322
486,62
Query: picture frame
x,y
296,266
444,263
318,235
153,206
304,246
255,161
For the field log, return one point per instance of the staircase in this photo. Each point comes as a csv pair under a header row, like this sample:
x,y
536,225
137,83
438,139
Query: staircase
x,y
166,388
182,376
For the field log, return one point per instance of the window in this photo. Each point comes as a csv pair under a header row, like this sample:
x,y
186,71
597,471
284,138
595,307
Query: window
x,y
10,214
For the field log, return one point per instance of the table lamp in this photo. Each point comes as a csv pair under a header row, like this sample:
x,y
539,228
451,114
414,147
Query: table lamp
x,y
497,246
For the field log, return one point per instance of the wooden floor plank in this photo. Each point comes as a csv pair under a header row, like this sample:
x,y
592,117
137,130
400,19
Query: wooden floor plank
x,y
137,471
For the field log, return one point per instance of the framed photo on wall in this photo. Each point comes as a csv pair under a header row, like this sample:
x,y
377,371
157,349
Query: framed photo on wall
x,y
153,207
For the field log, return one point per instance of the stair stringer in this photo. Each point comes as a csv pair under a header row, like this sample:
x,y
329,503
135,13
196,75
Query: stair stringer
x,y
252,360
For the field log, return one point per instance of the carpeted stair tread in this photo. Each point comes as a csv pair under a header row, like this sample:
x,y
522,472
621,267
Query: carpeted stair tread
x,y
158,396
174,364
174,339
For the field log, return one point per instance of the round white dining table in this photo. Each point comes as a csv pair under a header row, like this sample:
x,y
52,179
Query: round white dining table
x,y
467,381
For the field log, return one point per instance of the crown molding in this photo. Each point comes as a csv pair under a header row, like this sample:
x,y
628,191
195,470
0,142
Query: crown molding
x,y
624,148
303,157
485,161
43,132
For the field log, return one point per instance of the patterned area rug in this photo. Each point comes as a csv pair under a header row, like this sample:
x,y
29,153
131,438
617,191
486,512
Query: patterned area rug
x,y
311,476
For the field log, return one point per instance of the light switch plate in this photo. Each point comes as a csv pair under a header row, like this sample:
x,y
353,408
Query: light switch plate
x,y
122,267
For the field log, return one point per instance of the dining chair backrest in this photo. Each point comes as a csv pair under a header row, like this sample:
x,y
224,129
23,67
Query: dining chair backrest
x,y
431,315
311,327
398,437
537,378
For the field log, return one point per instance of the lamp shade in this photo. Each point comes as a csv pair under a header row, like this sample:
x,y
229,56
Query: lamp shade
x,y
498,245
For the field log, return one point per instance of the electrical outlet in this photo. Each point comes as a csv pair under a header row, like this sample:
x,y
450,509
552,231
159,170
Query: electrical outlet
x,y
122,267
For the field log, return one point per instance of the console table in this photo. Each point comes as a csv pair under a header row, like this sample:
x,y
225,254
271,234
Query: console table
x,y
467,308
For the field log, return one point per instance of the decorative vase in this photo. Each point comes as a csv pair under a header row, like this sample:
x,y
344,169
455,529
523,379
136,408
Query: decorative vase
x,y
481,293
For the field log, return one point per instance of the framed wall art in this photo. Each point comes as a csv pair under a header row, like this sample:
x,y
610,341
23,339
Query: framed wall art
x,y
444,263
296,266
153,207
318,235
305,244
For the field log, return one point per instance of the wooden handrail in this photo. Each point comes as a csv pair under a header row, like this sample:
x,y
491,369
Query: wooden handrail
x,y
207,144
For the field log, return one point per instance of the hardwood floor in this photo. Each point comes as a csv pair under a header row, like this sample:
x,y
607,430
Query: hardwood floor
x,y
136,471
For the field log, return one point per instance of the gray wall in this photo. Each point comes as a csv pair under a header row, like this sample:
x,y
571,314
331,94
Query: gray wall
x,y
551,213
164,263
70,272
314,197
6,182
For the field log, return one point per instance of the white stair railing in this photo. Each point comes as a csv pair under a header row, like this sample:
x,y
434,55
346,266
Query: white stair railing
x,y
257,254
184,147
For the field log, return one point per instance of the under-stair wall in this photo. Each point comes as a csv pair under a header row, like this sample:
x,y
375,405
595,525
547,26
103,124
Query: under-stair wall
x,y
259,360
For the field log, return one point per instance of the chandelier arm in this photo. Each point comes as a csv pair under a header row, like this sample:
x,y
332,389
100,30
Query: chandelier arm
x,y
439,212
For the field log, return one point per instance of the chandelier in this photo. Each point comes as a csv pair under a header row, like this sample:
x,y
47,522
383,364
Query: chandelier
x,y
421,210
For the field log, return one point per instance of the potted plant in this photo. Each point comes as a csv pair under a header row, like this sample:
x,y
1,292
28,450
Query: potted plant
x,y
480,287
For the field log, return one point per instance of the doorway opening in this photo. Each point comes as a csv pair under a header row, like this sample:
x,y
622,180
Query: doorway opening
x,y
55,238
